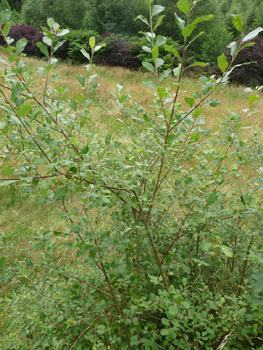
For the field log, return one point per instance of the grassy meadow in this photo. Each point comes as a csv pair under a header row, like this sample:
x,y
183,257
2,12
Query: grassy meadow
x,y
20,216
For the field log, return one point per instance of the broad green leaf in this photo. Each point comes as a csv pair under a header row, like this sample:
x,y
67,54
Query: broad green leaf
x,y
170,139
74,141
73,104
161,40
58,45
6,28
201,64
92,42
234,47
183,6
60,193
42,71
227,251
177,71
20,45
151,84
173,310
237,21
159,62
62,32
24,109
180,22
146,49
156,9
7,170
201,19
211,198
164,74
148,66
205,245
218,241
84,149
257,285
47,41
188,30
147,118
50,22
190,101
222,62
252,35
45,185
43,48
253,98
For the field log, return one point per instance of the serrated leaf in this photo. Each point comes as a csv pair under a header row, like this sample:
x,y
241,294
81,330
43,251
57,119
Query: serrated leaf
x,y
253,34
227,251
156,9
184,6
237,21
222,62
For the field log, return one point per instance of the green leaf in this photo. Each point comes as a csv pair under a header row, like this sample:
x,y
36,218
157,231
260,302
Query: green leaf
x,y
170,138
60,193
148,66
107,139
161,40
159,62
173,310
156,9
218,241
234,47
257,285
211,198
205,245
147,49
6,28
147,118
43,48
159,21
151,84
50,22
164,331
42,71
73,104
253,34
164,74
188,30
190,101
62,32
7,277
7,182
92,42
7,170
155,52
170,48
143,19
180,22
85,53
47,41
177,71
237,21
222,62
20,45
74,141
44,185
227,251
252,99
84,149
184,6
200,64
3,61
81,80
24,109
203,18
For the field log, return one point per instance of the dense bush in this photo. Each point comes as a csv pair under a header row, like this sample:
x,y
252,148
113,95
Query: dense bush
x,y
251,74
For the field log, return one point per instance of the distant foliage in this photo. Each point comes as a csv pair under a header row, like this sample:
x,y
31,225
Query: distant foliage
x,y
32,34
251,74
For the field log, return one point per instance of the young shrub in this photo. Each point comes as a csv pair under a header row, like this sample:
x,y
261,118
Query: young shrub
x,y
161,222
